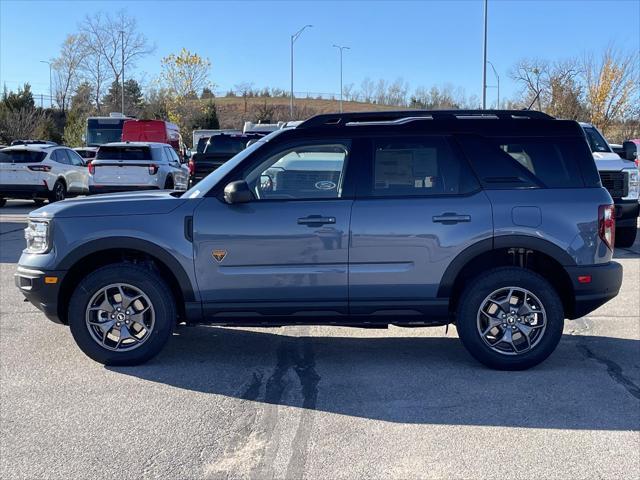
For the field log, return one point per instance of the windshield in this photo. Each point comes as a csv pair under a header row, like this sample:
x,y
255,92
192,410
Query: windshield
x,y
201,188
21,156
596,141
104,130
123,153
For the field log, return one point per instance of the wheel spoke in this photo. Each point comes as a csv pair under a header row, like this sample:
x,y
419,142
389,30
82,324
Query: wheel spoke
x,y
125,334
493,323
105,306
507,337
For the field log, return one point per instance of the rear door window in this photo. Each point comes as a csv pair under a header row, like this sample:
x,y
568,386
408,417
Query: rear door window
x,y
124,153
21,156
419,166
530,162
60,156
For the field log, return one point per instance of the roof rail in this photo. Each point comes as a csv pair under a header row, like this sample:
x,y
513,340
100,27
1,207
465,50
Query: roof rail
x,y
404,116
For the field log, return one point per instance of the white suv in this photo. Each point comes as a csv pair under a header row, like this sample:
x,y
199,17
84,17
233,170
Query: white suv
x,y
124,166
40,172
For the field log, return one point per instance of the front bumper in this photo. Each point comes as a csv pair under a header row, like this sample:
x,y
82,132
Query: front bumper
x,y
38,291
605,284
23,191
627,212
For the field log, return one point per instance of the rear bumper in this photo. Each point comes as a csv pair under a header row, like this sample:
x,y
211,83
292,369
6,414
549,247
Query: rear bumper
x,y
626,212
23,191
604,285
94,189
36,290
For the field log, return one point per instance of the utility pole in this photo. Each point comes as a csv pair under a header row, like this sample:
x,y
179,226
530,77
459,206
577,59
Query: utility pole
x,y
497,81
294,37
341,48
50,83
122,50
484,63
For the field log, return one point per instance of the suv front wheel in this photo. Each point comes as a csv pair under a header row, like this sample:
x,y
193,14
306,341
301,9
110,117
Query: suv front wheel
x,y
510,318
122,322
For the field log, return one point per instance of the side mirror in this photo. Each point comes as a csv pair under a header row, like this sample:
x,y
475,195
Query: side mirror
x,y
630,151
238,192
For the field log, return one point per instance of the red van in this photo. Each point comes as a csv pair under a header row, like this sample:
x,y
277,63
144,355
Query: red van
x,y
153,131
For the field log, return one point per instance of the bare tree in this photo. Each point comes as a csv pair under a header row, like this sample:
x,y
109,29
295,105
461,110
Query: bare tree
x,y
367,87
67,67
533,75
21,123
113,37
612,86
245,90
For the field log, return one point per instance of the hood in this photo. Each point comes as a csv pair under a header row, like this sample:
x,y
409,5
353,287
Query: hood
x,y
112,204
611,162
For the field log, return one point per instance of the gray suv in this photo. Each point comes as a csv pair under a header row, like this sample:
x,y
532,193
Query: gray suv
x,y
495,221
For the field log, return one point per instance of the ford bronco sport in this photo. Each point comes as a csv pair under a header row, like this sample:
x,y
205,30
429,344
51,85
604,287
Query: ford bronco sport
x,y
495,221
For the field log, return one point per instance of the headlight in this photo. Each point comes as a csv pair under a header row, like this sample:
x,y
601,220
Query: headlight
x,y
37,236
634,183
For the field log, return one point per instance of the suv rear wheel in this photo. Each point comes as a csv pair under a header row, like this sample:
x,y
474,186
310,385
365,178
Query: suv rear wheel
x,y
510,318
625,236
118,322
59,192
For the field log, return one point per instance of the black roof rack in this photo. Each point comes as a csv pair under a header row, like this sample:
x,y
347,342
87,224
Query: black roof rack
x,y
404,116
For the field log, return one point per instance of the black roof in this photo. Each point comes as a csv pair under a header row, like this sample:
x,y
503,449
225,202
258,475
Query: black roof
x,y
484,122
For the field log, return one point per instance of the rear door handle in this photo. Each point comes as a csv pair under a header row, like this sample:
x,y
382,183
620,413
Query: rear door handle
x,y
451,218
316,220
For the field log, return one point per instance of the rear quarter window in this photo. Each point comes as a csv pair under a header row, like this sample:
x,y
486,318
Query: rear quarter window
x,y
531,162
123,153
21,156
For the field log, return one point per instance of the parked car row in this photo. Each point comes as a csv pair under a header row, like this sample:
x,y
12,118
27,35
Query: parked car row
x,y
52,172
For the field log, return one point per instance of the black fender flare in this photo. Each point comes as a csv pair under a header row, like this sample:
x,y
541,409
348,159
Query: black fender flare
x,y
497,243
133,243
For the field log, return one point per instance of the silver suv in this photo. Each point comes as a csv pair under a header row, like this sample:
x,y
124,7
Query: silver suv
x,y
125,166
495,221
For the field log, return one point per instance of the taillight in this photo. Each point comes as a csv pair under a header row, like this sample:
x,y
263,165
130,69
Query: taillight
x,y
153,169
607,225
91,167
192,167
39,168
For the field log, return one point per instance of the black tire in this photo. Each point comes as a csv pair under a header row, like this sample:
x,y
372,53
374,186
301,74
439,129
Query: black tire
x,y
59,192
480,288
38,201
3,202
144,279
626,236
168,184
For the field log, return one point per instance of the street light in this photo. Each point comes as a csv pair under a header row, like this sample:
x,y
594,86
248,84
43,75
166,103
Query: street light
x,y
294,37
497,81
50,88
341,48
484,63
122,50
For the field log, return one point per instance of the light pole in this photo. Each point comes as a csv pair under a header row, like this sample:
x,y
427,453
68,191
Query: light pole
x,y
497,81
50,88
484,63
341,48
122,51
294,37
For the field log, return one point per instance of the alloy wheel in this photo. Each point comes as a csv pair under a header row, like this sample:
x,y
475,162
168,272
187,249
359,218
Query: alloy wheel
x,y
120,317
511,320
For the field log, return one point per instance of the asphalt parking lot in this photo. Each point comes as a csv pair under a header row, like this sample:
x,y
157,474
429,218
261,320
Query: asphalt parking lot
x,y
316,402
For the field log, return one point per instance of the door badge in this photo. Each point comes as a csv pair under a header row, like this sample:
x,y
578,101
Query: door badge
x,y
219,255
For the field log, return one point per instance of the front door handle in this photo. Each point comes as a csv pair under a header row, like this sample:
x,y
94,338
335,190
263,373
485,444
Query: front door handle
x,y
316,220
451,218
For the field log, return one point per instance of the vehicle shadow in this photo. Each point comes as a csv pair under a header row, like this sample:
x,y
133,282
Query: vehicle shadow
x,y
423,380
631,252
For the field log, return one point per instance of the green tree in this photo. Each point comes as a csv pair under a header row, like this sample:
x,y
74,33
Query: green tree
x,y
207,94
208,119
74,128
22,99
185,74
133,99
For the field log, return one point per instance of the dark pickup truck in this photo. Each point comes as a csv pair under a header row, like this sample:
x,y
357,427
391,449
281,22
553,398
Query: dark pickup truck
x,y
218,149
